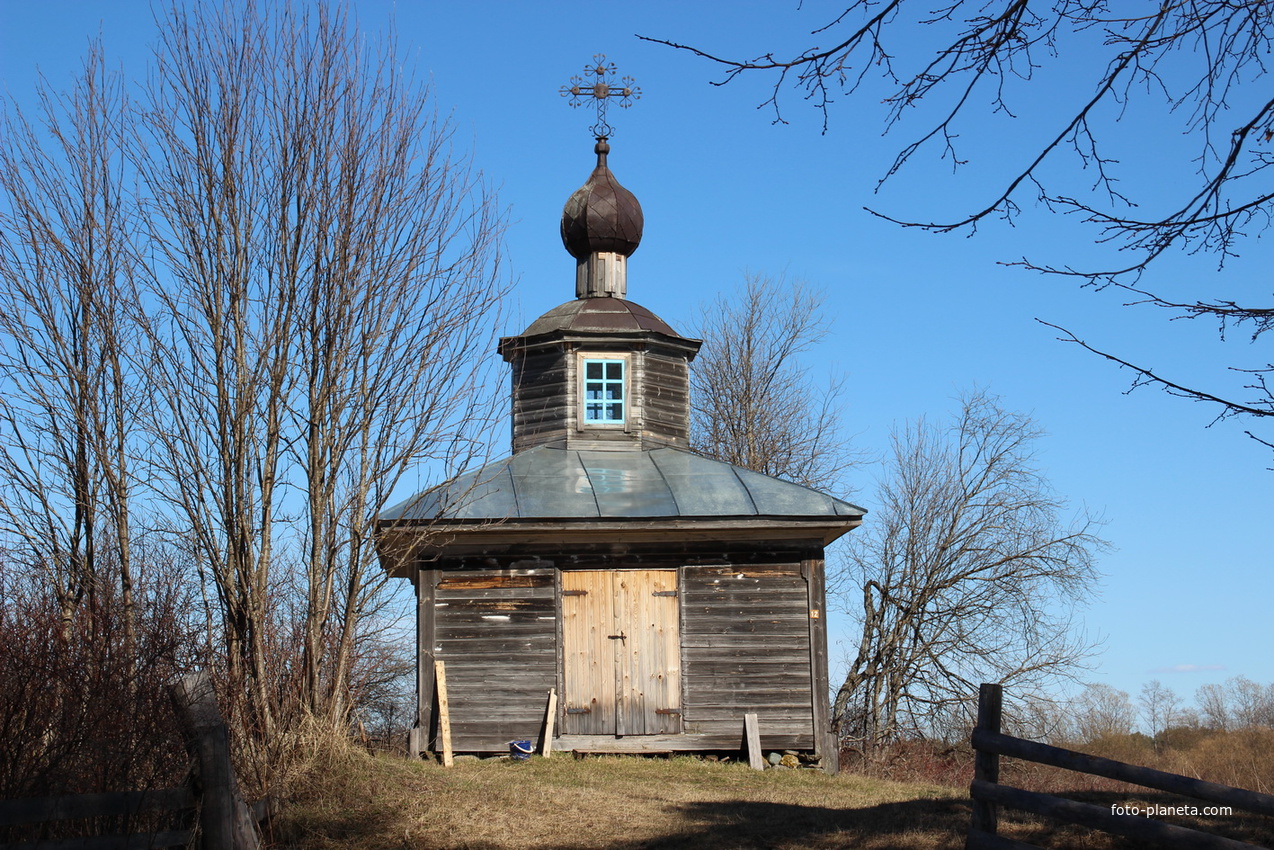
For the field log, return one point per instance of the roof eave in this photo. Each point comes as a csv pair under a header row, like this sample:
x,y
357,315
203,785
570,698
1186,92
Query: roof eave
x,y
403,542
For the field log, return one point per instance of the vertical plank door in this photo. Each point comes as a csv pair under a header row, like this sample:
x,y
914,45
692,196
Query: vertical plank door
x,y
622,652
588,653
649,663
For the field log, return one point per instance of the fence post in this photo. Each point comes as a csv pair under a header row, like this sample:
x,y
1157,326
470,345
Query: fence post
x,y
216,812
224,820
986,766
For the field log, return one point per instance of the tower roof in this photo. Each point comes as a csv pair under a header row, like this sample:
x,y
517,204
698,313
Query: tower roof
x,y
599,315
601,215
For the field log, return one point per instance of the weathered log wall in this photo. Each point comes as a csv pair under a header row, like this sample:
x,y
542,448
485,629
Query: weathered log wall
x,y
497,631
746,648
748,644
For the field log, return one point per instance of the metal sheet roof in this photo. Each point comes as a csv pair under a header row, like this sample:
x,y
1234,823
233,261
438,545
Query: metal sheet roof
x,y
547,483
599,315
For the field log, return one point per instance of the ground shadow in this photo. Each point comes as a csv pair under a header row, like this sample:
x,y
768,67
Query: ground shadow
x,y
928,824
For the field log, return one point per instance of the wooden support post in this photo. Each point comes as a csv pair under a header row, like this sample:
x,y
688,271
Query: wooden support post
x,y
752,731
421,736
546,749
444,714
986,765
826,743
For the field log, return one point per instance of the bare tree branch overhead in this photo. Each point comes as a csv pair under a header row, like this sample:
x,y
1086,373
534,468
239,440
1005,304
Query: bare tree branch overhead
x,y
1201,65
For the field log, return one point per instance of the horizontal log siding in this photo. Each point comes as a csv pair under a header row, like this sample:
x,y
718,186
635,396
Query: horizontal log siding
x,y
665,398
497,631
542,400
745,648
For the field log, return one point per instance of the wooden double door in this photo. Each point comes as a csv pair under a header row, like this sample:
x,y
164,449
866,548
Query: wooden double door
x,y
621,639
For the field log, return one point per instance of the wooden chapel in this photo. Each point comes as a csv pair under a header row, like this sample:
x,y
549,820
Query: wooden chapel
x,y
662,594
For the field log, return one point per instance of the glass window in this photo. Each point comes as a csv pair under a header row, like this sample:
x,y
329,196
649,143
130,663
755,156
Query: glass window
x,y
604,392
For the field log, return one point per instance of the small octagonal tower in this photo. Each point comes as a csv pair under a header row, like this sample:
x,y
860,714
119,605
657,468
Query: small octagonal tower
x,y
600,372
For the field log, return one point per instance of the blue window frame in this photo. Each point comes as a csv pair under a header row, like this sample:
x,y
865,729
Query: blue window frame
x,y
604,392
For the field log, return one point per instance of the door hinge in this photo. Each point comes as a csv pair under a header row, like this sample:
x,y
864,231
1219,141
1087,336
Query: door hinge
x,y
667,711
575,593
579,711
664,593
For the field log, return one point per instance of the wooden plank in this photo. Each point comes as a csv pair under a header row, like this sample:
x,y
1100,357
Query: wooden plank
x,y
649,658
75,806
444,713
550,715
504,580
723,739
988,741
978,840
752,732
137,841
588,653
1100,817
627,702
669,690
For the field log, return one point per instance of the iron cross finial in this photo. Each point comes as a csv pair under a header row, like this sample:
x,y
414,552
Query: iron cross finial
x,y
599,84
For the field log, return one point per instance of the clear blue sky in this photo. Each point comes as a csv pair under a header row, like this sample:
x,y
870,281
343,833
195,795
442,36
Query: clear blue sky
x,y
917,317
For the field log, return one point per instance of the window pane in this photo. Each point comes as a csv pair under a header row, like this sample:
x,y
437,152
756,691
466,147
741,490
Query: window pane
x,y
603,391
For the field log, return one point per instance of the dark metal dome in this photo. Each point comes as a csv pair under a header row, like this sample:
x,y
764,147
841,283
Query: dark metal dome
x,y
602,215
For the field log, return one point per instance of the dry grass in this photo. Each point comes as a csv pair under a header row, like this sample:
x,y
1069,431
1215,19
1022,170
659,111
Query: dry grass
x,y
348,799
353,800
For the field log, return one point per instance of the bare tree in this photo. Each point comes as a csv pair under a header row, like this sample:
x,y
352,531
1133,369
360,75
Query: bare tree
x,y
1252,704
1160,708
1101,711
68,398
1199,63
755,403
1214,707
397,297
969,573
323,272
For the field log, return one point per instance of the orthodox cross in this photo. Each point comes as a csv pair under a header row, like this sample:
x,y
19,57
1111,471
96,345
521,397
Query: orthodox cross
x,y
599,84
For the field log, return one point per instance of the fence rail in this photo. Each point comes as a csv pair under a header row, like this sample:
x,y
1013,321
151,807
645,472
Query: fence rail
x,y
989,794
224,823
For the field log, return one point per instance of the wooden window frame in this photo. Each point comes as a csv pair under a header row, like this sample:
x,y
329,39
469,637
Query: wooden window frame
x,y
582,361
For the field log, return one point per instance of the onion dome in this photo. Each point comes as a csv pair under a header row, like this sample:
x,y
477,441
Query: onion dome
x,y
602,216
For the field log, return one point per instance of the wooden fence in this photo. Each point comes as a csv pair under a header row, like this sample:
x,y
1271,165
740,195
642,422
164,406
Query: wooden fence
x,y
222,818
989,794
